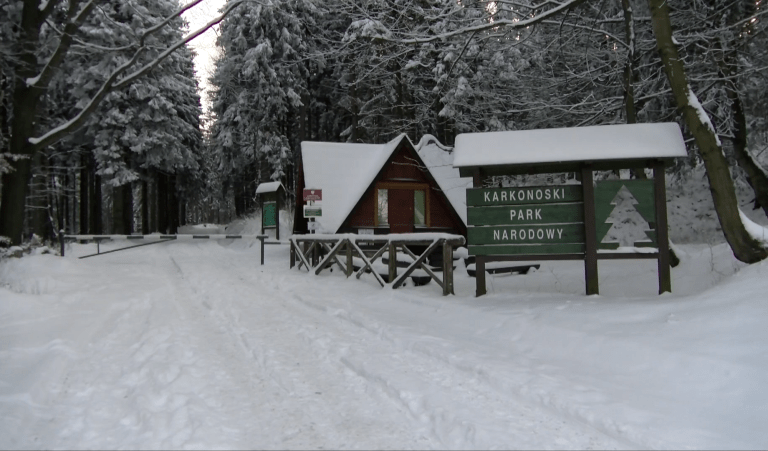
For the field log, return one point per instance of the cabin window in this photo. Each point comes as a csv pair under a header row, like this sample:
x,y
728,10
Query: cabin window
x,y
382,207
419,207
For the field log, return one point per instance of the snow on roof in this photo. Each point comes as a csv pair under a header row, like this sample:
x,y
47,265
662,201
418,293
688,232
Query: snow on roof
x,y
343,171
440,163
600,142
268,187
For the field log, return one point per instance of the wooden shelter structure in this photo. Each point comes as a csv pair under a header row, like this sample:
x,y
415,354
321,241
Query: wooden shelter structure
x,y
565,222
382,189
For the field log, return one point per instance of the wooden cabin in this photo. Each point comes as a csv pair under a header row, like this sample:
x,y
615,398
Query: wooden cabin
x,y
397,187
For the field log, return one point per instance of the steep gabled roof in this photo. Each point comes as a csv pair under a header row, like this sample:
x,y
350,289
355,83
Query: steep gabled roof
x,y
343,171
439,161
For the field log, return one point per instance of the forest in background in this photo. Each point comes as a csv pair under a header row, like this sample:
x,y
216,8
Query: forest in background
x,y
349,71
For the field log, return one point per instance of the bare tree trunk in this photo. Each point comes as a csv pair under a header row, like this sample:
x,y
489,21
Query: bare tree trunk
x,y
118,227
756,175
173,205
85,185
630,71
744,247
97,221
144,207
128,208
162,203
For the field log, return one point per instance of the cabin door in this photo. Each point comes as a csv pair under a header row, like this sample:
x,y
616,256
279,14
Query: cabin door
x,y
400,211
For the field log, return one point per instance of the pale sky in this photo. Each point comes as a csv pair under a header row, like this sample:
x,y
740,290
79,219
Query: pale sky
x,y
204,45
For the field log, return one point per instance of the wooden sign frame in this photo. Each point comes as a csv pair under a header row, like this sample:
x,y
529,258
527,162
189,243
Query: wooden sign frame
x,y
588,253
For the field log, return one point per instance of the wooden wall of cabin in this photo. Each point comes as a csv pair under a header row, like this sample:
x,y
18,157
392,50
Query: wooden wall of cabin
x,y
404,168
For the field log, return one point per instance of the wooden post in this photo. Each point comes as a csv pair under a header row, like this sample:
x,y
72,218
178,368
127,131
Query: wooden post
x,y
392,262
277,215
292,254
349,257
447,268
662,234
477,182
480,289
590,255
261,238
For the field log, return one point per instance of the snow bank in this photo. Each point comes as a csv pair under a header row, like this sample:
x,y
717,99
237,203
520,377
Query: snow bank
x,y
194,345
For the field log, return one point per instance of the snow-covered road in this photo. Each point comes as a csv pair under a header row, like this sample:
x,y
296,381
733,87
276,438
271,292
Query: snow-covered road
x,y
194,345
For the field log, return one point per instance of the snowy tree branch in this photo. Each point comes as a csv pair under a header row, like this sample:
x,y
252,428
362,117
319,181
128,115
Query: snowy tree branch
x,y
111,83
46,9
587,28
74,21
376,30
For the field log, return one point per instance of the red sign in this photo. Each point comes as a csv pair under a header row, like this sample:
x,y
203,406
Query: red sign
x,y
313,194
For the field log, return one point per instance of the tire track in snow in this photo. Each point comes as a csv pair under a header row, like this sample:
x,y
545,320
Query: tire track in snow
x,y
321,403
438,393
531,383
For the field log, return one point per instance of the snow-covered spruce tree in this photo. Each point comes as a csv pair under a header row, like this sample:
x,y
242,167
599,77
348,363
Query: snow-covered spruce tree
x,y
387,87
147,131
43,33
259,82
9,14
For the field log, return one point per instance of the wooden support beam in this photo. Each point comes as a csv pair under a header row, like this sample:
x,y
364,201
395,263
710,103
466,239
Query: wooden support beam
x,y
392,273
369,263
331,258
350,269
304,255
590,230
419,261
662,233
480,288
447,268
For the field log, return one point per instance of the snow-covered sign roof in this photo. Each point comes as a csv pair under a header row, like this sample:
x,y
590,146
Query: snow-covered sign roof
x,y
268,187
343,171
440,164
558,145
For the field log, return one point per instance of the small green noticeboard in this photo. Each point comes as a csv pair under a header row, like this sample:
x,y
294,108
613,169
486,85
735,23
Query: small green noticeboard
x,y
269,216
312,211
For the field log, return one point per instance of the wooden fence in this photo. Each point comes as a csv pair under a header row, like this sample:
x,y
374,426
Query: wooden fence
x,y
319,252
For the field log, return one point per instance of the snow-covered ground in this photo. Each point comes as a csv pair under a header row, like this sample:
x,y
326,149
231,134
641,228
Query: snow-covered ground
x,y
195,345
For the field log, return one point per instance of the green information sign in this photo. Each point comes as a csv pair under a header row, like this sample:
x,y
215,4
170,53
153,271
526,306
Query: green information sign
x,y
527,234
268,214
526,214
525,220
527,249
481,197
642,192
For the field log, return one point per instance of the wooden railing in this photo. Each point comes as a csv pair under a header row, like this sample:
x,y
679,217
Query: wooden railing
x,y
319,252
